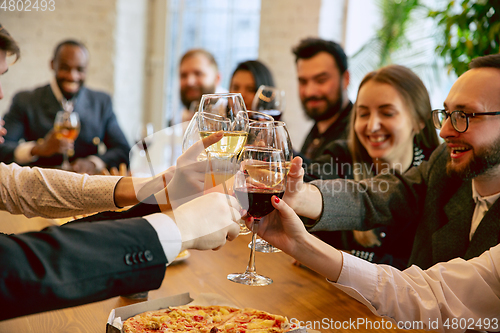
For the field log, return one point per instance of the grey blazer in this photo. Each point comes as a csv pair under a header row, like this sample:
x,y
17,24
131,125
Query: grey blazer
x,y
425,199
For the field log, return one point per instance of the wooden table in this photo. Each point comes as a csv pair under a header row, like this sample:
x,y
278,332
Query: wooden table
x,y
296,292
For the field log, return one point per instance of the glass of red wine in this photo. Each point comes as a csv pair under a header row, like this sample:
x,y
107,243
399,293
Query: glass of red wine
x,y
262,174
277,137
269,100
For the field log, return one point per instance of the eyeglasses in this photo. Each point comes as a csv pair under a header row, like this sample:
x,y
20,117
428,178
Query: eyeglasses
x,y
459,119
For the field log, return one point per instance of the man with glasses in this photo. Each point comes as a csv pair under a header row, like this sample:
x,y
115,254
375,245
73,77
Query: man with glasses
x,y
449,202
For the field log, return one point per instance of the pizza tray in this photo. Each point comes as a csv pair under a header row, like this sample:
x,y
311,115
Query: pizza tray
x,y
120,314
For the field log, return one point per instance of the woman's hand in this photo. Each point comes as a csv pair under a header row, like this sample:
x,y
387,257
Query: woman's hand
x,y
282,228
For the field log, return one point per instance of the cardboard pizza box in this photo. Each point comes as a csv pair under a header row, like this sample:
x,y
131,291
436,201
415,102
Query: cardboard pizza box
x,y
121,314
128,311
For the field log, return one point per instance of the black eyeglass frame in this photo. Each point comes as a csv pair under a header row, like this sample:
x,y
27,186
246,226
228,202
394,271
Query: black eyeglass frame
x,y
439,125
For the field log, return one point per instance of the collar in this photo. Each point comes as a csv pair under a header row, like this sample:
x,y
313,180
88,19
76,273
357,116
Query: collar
x,y
68,105
338,123
489,200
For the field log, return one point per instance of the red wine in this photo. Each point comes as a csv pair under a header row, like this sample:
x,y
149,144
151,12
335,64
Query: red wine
x,y
276,114
258,199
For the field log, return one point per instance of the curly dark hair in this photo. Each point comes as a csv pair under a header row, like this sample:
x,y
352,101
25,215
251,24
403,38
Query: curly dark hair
x,y
309,47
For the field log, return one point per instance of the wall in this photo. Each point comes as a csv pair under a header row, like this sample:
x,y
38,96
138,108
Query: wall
x,y
130,61
38,32
118,33
283,24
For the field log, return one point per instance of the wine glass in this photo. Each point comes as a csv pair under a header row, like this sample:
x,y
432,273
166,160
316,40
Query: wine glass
x,y
277,137
258,116
262,174
224,112
269,100
272,135
67,125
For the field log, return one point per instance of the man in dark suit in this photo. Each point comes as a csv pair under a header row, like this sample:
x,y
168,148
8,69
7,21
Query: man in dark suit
x,y
323,79
82,262
32,113
450,202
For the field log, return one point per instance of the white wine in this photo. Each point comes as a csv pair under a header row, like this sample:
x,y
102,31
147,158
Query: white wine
x,y
230,144
265,174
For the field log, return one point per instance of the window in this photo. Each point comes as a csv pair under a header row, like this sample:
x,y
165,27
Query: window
x,y
229,29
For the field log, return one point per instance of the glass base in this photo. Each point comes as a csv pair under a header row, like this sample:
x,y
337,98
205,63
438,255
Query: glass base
x,y
263,246
244,230
250,279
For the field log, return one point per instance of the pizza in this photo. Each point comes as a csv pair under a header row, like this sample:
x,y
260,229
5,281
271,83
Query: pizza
x,y
206,319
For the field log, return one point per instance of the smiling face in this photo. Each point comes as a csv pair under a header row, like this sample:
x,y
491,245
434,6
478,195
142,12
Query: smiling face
x,y
476,151
321,86
383,123
70,68
243,82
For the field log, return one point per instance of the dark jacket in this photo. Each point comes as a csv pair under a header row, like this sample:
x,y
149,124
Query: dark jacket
x,y
31,117
437,206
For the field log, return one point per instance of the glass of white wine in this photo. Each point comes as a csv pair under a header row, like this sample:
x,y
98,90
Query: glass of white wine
x,y
227,113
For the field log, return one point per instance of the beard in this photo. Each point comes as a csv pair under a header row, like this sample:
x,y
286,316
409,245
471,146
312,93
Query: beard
x,y
186,101
483,161
332,108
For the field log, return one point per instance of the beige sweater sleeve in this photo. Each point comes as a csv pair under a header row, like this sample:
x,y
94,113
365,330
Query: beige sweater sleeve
x,y
54,193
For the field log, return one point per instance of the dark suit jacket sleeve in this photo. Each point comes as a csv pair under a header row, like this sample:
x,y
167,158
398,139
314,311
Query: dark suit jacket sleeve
x,y
117,146
385,200
15,120
148,207
78,263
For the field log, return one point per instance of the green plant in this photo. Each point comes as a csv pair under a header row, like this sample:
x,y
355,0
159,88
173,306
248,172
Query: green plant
x,y
470,28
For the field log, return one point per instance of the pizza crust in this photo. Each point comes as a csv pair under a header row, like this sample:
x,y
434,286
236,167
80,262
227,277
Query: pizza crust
x,y
206,319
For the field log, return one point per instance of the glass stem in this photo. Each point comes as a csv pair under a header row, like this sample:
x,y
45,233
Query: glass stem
x,y
251,262
65,165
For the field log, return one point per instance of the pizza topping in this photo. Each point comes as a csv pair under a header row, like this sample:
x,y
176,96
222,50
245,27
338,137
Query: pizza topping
x,y
209,319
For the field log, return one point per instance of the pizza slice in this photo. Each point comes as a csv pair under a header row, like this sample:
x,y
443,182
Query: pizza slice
x,y
254,321
179,319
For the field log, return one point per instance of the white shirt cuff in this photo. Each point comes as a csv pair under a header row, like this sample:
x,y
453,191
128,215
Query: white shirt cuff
x,y
99,164
22,153
358,279
168,234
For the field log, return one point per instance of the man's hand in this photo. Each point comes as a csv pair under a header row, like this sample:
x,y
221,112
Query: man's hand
x,y
366,238
3,131
84,165
304,199
206,222
51,145
188,181
295,182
